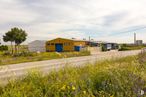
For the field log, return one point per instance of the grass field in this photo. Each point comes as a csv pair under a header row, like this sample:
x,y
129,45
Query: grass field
x,y
126,47
26,56
123,77
30,57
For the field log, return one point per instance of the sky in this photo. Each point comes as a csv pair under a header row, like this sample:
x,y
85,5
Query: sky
x,y
102,20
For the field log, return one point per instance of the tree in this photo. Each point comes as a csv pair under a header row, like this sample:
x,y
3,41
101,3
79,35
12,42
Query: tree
x,y
15,35
10,36
20,37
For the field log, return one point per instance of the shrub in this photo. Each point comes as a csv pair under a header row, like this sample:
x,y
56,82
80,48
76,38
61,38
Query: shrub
x,y
103,48
85,52
23,54
3,48
119,83
7,53
142,57
125,47
0,61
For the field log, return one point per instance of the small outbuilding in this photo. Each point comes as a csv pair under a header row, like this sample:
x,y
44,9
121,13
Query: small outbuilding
x,y
64,45
110,46
37,46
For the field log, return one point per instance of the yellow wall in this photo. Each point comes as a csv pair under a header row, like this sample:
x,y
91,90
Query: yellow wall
x,y
68,45
79,43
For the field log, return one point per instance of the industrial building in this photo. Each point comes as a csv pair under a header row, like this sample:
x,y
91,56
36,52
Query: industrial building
x,y
65,45
37,46
110,46
68,45
137,42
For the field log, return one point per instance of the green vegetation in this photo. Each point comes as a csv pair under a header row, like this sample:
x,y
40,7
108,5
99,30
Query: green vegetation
x,y
17,53
123,77
125,47
3,48
103,48
7,58
142,58
17,36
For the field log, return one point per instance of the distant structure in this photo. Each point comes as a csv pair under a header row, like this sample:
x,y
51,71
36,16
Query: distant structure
x,y
37,46
137,42
84,38
134,38
89,38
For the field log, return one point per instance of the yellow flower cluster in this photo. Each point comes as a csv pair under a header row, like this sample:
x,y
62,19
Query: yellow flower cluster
x,y
112,96
64,87
73,88
84,92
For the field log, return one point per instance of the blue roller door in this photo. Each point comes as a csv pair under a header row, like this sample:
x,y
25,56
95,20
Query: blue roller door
x,y
77,48
59,47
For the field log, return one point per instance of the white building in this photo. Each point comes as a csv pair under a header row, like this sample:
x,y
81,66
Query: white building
x,y
37,46
139,42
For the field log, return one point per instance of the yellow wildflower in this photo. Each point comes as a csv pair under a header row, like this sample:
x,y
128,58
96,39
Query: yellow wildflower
x,y
84,92
112,96
64,87
73,88
68,87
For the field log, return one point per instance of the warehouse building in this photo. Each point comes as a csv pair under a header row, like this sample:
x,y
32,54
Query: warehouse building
x,y
110,46
139,42
37,46
65,45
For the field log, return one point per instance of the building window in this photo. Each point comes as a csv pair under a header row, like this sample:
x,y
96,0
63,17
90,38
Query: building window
x,y
66,44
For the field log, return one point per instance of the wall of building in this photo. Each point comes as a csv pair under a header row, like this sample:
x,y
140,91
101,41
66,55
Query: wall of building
x,y
139,42
79,43
36,46
68,45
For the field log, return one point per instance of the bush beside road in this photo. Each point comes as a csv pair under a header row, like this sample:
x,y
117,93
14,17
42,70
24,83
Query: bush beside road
x,y
125,47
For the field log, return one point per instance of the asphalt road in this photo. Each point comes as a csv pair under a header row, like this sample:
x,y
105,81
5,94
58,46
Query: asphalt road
x,y
18,70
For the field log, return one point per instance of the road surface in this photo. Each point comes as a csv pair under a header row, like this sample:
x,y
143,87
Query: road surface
x,y
16,70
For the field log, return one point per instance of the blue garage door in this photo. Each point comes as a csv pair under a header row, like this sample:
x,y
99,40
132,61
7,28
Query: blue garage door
x,y
77,48
59,47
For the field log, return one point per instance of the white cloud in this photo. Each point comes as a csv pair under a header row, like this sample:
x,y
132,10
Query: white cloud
x,y
105,19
